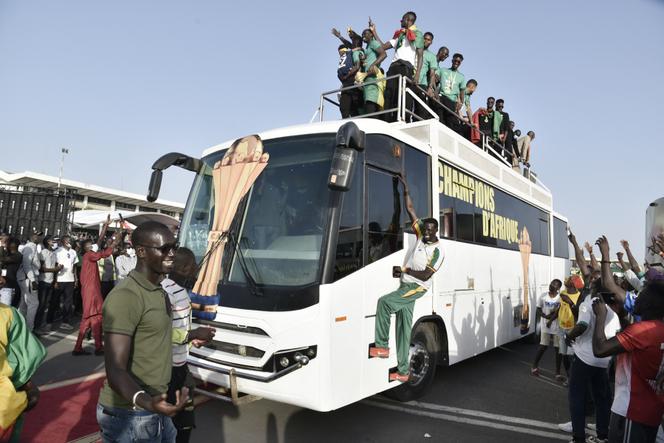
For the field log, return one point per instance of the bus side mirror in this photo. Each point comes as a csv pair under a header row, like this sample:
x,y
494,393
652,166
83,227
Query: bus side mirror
x,y
164,162
155,185
350,139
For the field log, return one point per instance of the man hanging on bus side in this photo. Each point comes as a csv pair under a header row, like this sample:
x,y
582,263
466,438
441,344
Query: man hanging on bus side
x,y
423,261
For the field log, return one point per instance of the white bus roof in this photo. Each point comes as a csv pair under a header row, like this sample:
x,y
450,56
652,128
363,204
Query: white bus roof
x,y
432,137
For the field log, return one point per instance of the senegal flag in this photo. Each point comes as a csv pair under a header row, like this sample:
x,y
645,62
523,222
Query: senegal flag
x,y
20,356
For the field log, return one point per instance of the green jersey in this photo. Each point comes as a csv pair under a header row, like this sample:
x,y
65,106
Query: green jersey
x,y
429,62
356,55
451,83
372,53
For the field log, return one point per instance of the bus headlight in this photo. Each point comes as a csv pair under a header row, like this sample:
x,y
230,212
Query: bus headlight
x,y
283,361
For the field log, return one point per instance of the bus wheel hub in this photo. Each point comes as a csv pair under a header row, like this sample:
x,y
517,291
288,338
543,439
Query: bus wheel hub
x,y
419,363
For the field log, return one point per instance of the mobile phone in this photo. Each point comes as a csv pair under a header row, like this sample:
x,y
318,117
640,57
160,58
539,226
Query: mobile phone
x,y
396,271
4,273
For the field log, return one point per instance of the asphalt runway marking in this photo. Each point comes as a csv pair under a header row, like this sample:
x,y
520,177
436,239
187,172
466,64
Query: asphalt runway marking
x,y
507,423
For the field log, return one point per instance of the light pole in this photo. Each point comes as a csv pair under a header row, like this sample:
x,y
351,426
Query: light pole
x,y
63,151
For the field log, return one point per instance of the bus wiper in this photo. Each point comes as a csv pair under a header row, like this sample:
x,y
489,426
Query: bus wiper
x,y
253,286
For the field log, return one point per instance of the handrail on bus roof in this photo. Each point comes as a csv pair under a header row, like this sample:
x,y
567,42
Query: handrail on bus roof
x,y
488,144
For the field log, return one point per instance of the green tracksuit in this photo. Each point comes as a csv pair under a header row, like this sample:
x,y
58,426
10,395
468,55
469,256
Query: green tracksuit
x,y
400,301
422,256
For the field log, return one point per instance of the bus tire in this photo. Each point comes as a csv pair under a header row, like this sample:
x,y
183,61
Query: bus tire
x,y
424,359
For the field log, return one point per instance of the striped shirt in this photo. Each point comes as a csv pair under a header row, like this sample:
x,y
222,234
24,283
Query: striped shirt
x,y
181,315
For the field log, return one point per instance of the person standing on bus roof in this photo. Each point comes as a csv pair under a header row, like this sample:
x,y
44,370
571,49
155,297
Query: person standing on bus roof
x,y
424,260
408,43
429,66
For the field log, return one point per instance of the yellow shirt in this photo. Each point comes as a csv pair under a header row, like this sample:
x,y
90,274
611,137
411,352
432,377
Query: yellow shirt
x,y
565,314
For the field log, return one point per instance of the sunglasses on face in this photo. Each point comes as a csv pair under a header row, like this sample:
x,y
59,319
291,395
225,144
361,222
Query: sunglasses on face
x,y
164,249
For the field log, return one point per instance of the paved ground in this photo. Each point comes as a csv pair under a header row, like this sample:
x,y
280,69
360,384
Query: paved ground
x,y
491,397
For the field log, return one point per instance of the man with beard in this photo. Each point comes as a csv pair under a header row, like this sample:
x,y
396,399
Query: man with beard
x,y
415,279
137,336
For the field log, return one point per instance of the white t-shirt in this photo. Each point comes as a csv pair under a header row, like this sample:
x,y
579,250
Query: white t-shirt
x,y
583,345
424,255
67,258
405,52
49,259
548,305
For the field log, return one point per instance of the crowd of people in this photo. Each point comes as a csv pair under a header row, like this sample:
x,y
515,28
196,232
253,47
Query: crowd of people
x,y
148,381
53,280
444,90
604,327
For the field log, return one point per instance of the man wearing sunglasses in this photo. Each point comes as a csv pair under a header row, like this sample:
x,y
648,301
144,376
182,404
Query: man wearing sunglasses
x,y
137,338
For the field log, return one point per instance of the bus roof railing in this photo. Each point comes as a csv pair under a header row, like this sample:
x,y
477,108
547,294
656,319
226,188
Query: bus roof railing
x,y
404,115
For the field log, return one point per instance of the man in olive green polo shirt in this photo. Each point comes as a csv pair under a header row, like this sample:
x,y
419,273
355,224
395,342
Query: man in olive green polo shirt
x,y
137,336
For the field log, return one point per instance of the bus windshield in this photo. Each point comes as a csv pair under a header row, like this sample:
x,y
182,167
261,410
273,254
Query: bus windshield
x,y
277,233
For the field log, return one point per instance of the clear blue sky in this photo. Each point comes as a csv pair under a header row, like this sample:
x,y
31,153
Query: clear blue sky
x,y
120,83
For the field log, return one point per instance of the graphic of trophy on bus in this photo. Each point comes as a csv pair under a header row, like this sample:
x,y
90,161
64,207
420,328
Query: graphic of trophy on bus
x,y
233,176
525,247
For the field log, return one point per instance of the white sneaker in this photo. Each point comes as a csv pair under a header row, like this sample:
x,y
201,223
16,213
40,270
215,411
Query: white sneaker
x,y
593,439
591,426
566,427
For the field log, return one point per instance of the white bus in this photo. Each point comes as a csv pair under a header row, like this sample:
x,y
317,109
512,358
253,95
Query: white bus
x,y
298,292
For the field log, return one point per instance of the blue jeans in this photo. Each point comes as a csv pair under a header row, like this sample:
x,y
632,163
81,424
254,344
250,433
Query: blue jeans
x,y
127,426
581,378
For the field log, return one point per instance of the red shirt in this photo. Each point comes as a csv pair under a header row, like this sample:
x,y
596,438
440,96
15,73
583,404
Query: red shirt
x,y
636,371
90,283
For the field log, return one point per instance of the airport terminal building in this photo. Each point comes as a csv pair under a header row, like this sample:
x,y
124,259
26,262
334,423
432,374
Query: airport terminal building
x,y
34,201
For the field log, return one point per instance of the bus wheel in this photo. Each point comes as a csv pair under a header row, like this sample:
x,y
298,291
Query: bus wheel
x,y
423,362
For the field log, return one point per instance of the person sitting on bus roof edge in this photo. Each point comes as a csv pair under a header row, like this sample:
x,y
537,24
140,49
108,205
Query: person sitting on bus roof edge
x,y
137,336
423,260
350,101
547,306
523,144
408,43
181,278
374,55
451,95
429,64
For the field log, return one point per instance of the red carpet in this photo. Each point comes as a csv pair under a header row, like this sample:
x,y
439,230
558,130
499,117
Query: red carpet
x,y
64,414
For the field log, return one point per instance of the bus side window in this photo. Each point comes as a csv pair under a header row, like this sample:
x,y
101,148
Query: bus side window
x,y
417,165
446,221
384,210
349,243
